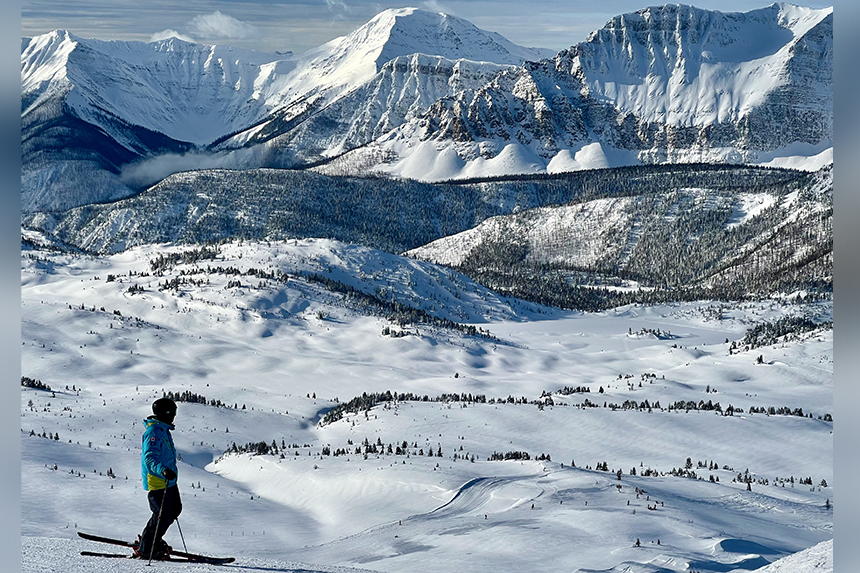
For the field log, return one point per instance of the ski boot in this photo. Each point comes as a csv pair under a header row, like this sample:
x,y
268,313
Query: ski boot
x,y
162,550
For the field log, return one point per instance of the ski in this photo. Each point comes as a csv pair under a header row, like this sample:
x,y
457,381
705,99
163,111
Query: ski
x,y
113,555
91,537
201,559
190,557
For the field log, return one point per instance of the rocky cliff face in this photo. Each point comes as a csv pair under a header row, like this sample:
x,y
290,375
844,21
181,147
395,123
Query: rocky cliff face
x,y
670,84
404,89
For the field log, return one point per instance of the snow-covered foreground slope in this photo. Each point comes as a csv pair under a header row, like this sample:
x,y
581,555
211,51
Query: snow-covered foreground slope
x,y
246,328
41,554
816,558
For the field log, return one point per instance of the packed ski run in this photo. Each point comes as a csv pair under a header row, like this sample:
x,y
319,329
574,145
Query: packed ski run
x,y
320,426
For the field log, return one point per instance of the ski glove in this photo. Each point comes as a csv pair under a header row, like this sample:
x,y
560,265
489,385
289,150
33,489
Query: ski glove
x,y
168,474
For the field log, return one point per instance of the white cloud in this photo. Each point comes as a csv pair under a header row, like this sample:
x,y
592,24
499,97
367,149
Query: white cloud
x,y
436,6
337,4
220,26
146,172
165,34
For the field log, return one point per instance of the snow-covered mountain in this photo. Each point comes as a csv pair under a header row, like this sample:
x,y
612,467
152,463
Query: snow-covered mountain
x,y
670,84
664,84
429,96
347,62
198,93
678,231
89,107
187,92
314,129
426,44
774,238
683,66
144,99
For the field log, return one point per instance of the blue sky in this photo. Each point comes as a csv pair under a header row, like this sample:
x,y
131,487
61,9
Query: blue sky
x,y
297,25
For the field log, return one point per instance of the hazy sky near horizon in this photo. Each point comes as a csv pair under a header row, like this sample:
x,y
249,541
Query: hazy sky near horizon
x,y
298,25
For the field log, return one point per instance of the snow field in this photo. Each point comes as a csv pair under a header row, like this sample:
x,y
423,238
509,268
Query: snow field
x,y
286,351
55,554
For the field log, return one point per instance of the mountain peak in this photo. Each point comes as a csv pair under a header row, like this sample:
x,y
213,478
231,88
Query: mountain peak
x,y
404,31
439,34
347,62
44,57
792,17
434,93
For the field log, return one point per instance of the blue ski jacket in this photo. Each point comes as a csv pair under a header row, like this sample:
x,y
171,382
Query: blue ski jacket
x,y
158,452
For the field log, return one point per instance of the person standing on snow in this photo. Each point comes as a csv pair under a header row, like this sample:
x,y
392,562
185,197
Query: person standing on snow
x,y
158,469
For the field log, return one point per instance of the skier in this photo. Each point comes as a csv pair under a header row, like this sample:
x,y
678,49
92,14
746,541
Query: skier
x,y
158,469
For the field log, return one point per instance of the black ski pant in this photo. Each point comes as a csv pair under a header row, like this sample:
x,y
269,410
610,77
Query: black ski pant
x,y
167,503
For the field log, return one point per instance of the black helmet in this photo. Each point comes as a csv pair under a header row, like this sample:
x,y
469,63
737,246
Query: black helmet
x,y
164,409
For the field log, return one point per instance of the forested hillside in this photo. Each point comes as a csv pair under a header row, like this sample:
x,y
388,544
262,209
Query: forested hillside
x,y
679,229
672,244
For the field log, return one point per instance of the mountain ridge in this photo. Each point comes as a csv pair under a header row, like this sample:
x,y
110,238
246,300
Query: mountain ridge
x,y
566,113
664,84
194,94
664,232
660,85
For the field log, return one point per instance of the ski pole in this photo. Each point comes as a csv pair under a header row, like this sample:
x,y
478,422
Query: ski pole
x,y
182,537
157,524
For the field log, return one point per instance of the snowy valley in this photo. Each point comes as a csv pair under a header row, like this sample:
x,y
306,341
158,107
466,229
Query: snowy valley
x,y
407,483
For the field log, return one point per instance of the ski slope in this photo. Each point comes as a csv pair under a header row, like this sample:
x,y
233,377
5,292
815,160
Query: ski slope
x,y
280,354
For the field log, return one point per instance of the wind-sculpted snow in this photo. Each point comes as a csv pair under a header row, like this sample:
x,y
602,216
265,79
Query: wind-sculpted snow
x,y
816,559
481,496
